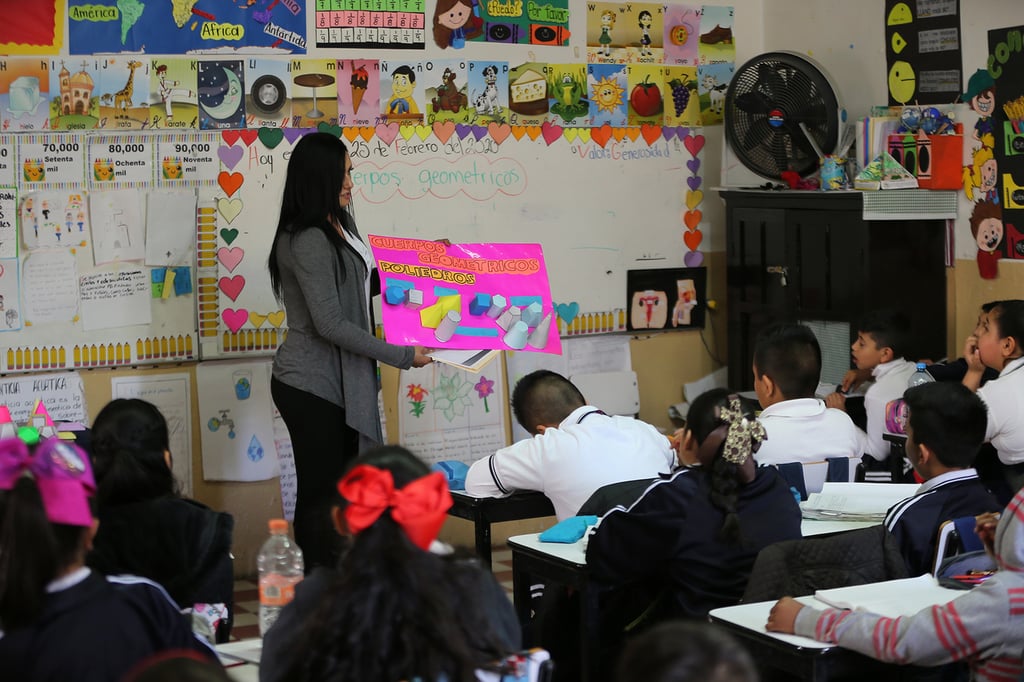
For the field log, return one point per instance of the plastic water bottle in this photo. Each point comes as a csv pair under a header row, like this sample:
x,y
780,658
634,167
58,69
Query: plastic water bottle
x,y
281,569
921,376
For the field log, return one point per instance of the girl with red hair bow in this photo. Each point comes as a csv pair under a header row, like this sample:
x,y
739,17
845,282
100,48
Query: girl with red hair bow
x,y
400,605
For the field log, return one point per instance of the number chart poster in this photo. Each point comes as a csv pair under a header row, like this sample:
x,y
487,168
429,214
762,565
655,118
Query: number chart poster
x,y
184,26
465,296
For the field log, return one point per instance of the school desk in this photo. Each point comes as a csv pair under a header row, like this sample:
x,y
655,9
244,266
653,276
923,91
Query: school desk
x,y
241,659
483,511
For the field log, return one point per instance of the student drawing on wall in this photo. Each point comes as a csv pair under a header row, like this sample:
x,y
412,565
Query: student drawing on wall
x,y
607,24
981,176
403,82
168,90
455,22
645,20
987,230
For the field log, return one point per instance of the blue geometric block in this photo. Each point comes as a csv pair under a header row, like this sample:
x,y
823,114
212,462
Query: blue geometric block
x,y
394,295
532,314
480,304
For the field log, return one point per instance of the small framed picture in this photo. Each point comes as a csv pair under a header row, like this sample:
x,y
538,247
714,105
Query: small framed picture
x,y
666,298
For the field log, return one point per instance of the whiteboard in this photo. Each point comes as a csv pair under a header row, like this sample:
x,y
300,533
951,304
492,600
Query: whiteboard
x,y
574,197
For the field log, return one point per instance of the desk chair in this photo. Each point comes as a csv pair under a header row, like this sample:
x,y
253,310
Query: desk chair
x,y
612,392
810,477
956,536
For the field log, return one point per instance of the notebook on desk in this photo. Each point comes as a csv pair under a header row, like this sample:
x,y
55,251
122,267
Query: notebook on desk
x,y
855,501
891,598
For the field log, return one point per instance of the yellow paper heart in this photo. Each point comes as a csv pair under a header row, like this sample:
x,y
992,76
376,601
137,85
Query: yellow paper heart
x,y
693,198
424,132
632,133
367,132
350,133
570,134
229,208
407,131
533,132
257,319
276,318
584,134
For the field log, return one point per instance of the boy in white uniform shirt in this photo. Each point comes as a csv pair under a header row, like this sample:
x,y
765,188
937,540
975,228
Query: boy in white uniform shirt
x,y
576,448
800,428
882,338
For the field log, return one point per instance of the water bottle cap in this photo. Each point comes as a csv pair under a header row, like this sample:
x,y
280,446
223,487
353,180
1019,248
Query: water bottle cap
x,y
278,526
921,367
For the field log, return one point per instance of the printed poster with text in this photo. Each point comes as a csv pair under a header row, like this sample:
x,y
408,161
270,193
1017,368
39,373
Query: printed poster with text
x,y
465,296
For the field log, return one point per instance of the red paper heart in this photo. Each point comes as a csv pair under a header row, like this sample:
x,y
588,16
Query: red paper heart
x,y
693,239
230,182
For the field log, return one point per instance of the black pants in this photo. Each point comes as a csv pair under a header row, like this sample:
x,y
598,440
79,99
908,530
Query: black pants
x,y
323,445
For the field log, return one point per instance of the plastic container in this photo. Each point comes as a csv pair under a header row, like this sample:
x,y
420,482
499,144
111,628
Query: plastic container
x,y
921,376
280,568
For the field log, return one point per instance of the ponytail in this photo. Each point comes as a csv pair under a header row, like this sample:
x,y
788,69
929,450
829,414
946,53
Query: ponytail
x,y
724,497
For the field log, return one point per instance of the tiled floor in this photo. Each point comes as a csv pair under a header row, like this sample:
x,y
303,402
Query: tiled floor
x,y
247,595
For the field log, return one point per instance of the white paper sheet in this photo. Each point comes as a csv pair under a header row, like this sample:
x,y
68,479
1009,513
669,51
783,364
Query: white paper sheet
x,y
172,395
10,295
170,228
54,219
49,285
892,598
286,464
8,223
236,414
119,228
115,299
62,394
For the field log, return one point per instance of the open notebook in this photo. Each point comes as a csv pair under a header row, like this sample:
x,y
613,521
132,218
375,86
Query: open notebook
x,y
891,598
855,501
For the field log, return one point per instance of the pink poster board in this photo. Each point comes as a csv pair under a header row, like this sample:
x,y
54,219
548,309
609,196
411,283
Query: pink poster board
x,y
465,296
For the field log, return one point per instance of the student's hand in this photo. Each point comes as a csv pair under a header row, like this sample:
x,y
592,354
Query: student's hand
x,y
985,529
421,359
836,400
443,241
854,378
975,367
782,617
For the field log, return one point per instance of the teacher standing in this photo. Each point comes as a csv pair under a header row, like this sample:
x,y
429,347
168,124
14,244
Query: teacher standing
x,y
325,379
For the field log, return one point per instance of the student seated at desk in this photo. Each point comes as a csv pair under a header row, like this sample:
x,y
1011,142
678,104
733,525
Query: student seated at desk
x,y
944,432
576,448
396,608
799,427
882,337
147,528
984,627
58,619
692,538
680,651
998,343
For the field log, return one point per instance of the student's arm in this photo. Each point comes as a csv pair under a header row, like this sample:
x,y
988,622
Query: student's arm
x,y
975,367
507,470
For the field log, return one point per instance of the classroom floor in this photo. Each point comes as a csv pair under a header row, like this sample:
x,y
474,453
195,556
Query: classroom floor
x,y
247,600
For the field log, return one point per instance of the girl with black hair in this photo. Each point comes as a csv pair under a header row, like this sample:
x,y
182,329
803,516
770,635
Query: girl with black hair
x,y
58,619
689,542
396,608
325,373
147,528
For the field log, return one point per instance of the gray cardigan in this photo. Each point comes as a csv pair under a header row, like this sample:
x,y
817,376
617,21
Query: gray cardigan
x,y
330,350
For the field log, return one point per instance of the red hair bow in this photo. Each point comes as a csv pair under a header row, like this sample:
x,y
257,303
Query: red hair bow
x,y
419,508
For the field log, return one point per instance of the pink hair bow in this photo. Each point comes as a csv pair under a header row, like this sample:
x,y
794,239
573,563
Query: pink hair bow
x,y
61,471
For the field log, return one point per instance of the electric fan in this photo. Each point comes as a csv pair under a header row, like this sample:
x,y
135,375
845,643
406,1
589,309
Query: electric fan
x,y
773,103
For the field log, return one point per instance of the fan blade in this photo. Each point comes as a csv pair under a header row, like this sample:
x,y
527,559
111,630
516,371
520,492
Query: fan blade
x,y
800,140
756,135
770,81
781,148
753,103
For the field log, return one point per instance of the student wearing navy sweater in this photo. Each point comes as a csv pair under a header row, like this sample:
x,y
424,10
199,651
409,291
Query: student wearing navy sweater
x,y
945,430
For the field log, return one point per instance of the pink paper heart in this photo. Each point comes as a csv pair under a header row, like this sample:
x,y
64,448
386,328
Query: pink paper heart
x,y
443,130
234,319
387,132
232,286
694,143
499,131
551,132
230,257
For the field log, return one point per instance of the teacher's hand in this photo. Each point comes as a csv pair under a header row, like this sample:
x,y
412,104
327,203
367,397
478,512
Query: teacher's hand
x,y
421,358
443,241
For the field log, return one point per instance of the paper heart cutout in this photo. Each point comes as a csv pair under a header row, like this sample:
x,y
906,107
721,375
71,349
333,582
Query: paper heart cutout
x,y
693,198
692,219
230,137
276,319
693,165
387,132
650,132
618,134
584,134
443,130
234,319
249,135
463,130
328,128
533,132
499,132
632,133
292,134
231,286
423,132
407,131
230,156
349,134
693,259
693,182
601,135
693,239
271,137
228,234
230,257
669,132
230,182
367,133
518,132
567,311
551,132
570,134
479,132
256,319
229,208
693,144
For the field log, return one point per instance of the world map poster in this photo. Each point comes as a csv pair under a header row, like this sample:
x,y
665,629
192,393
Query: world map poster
x,y
186,26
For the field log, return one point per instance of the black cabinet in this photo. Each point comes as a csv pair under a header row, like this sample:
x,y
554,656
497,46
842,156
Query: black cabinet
x,y
810,256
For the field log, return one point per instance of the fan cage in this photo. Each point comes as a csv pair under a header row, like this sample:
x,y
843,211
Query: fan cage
x,y
768,97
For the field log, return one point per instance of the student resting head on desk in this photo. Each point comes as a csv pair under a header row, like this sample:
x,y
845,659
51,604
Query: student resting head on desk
x,y
984,627
800,428
397,607
998,343
691,539
58,619
575,449
944,432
